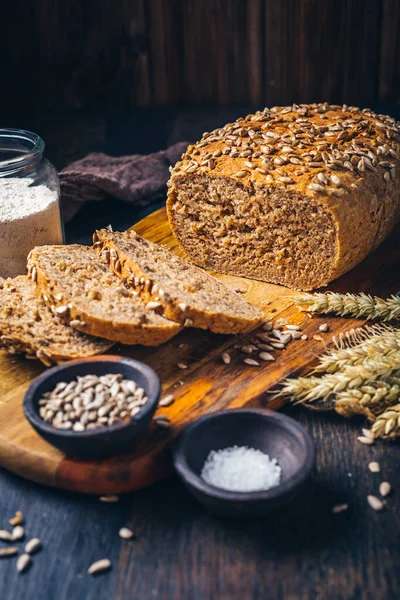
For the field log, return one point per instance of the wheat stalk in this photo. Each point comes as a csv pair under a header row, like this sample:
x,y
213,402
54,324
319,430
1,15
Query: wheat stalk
x,y
387,423
351,305
309,389
368,400
372,348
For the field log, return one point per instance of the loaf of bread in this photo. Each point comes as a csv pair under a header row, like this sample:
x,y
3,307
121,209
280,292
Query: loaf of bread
x,y
292,195
82,289
185,293
27,326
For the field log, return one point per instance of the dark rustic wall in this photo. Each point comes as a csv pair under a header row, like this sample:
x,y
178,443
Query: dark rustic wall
x,y
86,54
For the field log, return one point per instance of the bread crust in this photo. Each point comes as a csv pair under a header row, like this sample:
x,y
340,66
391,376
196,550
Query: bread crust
x,y
108,245
79,314
349,157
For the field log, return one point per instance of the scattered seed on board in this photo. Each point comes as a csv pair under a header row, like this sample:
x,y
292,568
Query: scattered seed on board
x,y
17,519
293,327
252,362
324,327
167,400
226,358
266,356
368,441
33,546
375,503
246,349
162,421
109,498
5,535
385,488
374,467
318,338
304,337
126,534
182,365
100,566
17,533
338,508
9,551
23,562
268,326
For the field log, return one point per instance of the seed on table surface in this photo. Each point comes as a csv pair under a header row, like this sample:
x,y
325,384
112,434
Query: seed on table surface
x,y
17,533
167,400
32,546
17,519
374,467
181,365
385,488
9,551
247,349
268,326
324,327
304,337
296,335
375,503
126,534
266,356
368,441
278,345
100,566
318,338
286,338
293,327
338,508
162,421
368,433
264,337
110,498
5,535
226,358
251,362
23,562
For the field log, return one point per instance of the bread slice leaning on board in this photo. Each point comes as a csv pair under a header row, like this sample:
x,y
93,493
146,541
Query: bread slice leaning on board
x,y
82,289
293,195
27,326
186,293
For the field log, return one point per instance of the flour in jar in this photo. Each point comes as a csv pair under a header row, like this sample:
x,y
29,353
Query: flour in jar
x,y
29,217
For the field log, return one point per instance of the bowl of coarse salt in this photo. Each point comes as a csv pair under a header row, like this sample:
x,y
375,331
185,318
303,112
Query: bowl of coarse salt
x,y
244,462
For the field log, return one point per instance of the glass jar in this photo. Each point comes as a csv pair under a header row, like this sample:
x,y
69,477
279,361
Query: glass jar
x,y
29,200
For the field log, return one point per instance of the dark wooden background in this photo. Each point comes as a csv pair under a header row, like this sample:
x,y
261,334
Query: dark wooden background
x,y
92,54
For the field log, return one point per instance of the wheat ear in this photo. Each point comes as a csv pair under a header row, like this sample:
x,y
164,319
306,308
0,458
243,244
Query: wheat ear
x,y
350,305
387,423
369,400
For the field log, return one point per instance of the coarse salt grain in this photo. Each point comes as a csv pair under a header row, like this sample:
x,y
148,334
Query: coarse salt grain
x,y
241,469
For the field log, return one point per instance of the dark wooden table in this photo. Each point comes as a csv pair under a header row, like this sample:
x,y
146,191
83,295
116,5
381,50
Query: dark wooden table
x,y
181,551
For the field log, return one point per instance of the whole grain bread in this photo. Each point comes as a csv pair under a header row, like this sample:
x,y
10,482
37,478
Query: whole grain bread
x,y
292,195
27,326
186,293
81,289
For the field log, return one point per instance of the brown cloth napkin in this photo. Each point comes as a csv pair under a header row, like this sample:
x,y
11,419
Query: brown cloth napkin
x,y
137,178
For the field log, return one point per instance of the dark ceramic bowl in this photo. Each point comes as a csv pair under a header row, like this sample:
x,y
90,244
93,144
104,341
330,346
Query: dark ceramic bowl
x,y
273,433
96,443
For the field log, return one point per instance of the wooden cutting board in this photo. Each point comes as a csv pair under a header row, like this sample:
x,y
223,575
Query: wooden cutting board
x,y
205,386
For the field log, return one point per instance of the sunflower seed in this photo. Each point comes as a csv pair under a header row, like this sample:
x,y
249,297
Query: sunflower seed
x,y
304,336
33,546
336,180
278,345
375,503
266,347
17,533
181,365
250,361
5,536
99,566
23,563
109,498
365,440
246,349
126,534
385,488
324,327
226,358
162,421
268,326
374,467
338,508
153,305
167,400
266,356
316,187
9,551
293,327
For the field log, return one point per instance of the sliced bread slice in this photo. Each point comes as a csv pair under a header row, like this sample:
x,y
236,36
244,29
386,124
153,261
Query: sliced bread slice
x,y
81,289
186,293
27,326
